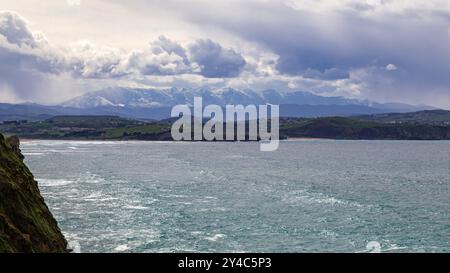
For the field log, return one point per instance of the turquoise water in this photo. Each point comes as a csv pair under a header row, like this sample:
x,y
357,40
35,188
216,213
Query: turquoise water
x,y
310,196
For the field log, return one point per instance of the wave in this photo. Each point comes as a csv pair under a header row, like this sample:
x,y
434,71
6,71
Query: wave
x,y
304,196
74,246
53,182
377,247
215,237
33,154
135,207
122,248
98,197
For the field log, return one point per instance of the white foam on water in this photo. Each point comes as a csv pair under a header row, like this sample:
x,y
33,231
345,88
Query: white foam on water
x,y
53,182
135,207
75,143
303,196
74,246
377,247
328,200
328,233
91,178
373,247
239,156
33,154
210,209
122,248
175,196
46,151
98,197
215,238
394,248
175,249
93,196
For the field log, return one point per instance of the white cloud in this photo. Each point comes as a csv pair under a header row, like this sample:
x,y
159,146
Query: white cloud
x,y
372,7
164,57
86,60
391,67
14,28
74,2
347,47
27,56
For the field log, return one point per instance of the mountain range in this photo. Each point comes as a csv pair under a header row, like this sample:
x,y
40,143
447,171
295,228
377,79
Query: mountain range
x,y
156,104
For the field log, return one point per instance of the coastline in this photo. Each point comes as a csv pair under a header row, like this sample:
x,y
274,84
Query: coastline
x,y
26,140
27,225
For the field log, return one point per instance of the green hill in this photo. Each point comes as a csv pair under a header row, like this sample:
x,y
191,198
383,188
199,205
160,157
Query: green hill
x,y
92,121
432,117
347,128
399,126
86,127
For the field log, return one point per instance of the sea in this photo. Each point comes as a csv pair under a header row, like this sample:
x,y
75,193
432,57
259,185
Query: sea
x,y
309,196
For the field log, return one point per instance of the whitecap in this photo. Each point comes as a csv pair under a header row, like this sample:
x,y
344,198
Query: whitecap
x,y
329,200
53,182
74,246
32,154
394,248
328,233
318,198
122,248
215,238
373,247
98,197
134,207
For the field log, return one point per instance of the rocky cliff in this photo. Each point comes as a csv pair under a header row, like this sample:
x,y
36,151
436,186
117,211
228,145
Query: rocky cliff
x,y
26,224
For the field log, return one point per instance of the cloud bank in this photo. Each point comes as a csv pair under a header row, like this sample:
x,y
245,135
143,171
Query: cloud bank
x,y
381,50
83,59
26,54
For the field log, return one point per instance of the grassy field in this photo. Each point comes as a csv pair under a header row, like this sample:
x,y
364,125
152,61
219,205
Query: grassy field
x,y
136,130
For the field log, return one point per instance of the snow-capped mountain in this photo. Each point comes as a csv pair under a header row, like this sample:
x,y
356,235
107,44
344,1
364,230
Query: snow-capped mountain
x,y
153,98
157,104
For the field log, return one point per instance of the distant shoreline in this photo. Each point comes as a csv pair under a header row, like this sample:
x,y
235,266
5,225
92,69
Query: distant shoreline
x,y
25,140
110,128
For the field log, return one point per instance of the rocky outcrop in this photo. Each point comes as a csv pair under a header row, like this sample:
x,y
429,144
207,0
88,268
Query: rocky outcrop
x,y
26,224
14,143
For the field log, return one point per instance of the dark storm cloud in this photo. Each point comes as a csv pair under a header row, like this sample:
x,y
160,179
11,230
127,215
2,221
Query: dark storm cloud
x,y
216,61
204,57
323,41
330,44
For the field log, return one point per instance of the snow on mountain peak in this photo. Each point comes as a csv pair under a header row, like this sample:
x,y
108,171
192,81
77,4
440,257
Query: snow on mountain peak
x,y
151,98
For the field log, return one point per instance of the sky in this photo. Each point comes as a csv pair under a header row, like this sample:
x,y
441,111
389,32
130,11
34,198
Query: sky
x,y
378,50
